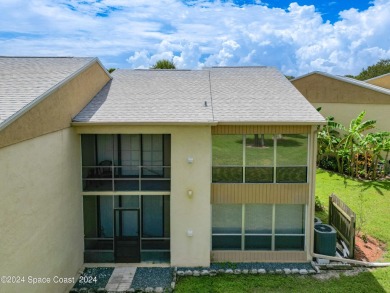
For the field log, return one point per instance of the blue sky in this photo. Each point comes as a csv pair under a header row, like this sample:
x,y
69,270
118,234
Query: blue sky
x,y
329,9
336,36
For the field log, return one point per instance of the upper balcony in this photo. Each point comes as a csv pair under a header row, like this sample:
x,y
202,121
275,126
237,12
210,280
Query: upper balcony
x,y
107,177
126,162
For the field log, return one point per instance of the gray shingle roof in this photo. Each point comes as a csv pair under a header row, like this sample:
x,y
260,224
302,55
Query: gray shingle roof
x,y
24,79
258,95
150,96
233,95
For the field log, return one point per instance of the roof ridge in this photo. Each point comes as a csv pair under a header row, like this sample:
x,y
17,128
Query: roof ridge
x,y
211,97
249,66
156,69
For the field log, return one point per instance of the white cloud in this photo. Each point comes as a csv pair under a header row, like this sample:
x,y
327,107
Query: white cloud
x,y
140,60
189,57
295,40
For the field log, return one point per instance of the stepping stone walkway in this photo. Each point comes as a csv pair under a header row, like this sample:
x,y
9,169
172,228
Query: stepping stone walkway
x,y
121,279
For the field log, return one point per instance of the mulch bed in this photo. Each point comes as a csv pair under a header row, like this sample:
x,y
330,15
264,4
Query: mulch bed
x,y
371,250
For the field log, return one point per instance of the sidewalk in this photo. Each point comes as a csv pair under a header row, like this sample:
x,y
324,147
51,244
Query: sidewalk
x,y
121,279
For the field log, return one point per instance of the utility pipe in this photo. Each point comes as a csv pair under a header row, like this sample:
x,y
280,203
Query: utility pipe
x,y
353,261
311,203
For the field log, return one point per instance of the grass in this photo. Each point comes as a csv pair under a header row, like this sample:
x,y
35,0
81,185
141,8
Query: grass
x,y
376,281
368,199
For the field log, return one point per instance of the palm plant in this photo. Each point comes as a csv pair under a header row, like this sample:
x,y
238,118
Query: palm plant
x,y
376,144
353,139
329,141
355,153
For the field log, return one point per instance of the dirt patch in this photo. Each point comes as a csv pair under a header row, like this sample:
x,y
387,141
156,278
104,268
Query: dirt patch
x,y
368,248
326,275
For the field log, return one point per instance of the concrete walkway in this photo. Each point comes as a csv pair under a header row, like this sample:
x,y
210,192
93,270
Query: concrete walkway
x,y
121,279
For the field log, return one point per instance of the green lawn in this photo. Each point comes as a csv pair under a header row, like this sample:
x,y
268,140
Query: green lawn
x,y
372,199
376,281
369,200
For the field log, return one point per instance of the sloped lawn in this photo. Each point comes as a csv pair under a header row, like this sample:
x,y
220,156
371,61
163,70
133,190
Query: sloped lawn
x,y
369,200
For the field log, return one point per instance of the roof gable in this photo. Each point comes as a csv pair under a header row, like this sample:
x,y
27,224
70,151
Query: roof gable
x,y
349,80
382,81
24,81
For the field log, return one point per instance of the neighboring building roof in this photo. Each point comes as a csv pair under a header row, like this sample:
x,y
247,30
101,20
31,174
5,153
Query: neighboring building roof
x,y
25,81
246,95
378,77
348,80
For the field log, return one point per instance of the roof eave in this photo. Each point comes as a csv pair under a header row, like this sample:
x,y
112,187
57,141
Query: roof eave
x,y
205,123
319,122
157,123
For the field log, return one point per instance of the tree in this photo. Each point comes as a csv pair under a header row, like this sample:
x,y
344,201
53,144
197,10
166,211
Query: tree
x,y
111,70
259,142
380,68
164,64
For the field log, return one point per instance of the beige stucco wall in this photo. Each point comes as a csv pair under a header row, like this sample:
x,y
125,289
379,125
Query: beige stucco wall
x,y
41,211
317,88
344,100
186,213
383,81
344,113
